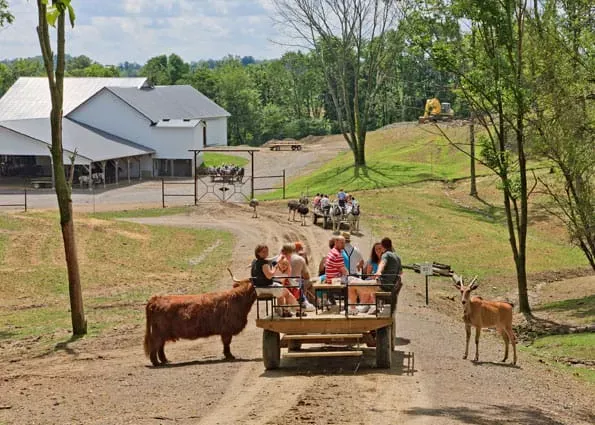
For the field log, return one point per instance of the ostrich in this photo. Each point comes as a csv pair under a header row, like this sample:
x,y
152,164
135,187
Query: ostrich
x,y
303,211
254,204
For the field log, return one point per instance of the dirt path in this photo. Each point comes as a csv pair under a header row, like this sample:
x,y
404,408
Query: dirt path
x,y
109,381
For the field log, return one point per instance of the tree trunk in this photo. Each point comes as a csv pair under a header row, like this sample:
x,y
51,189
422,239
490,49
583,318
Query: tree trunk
x,y
56,86
473,191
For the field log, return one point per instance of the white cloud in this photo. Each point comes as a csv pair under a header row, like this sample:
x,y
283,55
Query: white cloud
x,y
113,31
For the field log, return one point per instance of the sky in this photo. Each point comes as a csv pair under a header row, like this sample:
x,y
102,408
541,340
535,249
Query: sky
x,y
114,31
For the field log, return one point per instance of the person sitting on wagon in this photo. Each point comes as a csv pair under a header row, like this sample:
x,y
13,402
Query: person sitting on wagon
x,y
342,197
262,273
316,201
325,204
389,270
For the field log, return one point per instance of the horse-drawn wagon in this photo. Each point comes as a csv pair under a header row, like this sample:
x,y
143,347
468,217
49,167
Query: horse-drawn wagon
x,y
319,213
324,327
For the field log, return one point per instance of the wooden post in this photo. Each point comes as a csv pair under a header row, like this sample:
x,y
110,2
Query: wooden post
x,y
103,163
163,192
284,183
172,167
140,172
90,169
195,178
252,176
127,169
116,167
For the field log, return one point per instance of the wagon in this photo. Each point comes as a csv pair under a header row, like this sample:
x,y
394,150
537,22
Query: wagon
x,y
325,216
277,146
292,332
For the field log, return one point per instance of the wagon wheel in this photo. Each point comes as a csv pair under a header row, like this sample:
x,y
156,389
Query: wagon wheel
x,y
383,348
271,349
299,148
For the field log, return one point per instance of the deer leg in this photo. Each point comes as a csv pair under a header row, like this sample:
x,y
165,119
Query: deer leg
x,y
467,338
477,334
226,340
505,338
512,339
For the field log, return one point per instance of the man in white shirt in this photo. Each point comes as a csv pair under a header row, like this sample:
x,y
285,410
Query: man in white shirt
x,y
356,260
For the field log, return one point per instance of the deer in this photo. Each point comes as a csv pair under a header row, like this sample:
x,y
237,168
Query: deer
x,y
480,313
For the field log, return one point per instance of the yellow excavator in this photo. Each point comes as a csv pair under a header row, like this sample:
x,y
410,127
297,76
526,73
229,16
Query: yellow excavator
x,y
436,111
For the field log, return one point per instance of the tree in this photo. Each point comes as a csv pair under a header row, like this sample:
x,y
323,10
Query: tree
x,y
156,70
7,78
176,68
496,89
54,15
5,15
349,38
564,123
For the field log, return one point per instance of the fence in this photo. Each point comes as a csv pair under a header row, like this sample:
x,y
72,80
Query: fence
x,y
209,188
164,195
272,187
24,204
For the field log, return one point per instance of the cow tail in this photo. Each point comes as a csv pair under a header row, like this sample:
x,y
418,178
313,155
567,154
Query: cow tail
x,y
147,343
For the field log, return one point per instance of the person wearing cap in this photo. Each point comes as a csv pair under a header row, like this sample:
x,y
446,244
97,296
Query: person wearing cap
x,y
354,258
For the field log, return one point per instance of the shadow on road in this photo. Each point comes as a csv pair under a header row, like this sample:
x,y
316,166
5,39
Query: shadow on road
x,y
488,415
203,362
402,365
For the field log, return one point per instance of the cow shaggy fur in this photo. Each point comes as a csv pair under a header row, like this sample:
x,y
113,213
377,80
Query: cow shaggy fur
x,y
173,317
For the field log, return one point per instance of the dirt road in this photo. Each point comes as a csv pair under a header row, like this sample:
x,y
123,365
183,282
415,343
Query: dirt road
x,y
108,380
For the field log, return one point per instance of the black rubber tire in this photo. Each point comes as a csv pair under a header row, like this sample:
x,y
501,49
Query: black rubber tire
x,y
294,345
383,348
271,349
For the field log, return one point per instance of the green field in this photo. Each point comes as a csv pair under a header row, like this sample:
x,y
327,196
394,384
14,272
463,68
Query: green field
x,y
394,157
213,159
121,265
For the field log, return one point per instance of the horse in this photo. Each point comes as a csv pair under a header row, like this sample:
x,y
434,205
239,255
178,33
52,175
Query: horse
x,y
337,215
353,215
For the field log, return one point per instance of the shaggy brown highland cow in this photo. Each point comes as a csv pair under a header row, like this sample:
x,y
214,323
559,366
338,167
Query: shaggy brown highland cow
x,y
172,317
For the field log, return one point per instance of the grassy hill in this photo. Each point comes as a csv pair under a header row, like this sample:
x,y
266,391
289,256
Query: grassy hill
x,y
398,156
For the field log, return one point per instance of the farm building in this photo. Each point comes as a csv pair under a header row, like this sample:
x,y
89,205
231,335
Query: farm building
x,y
119,128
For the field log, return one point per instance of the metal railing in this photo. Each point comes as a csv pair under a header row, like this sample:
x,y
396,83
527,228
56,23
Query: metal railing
x,y
23,204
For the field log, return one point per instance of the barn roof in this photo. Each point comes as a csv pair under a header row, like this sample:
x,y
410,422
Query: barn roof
x,y
29,97
169,102
89,142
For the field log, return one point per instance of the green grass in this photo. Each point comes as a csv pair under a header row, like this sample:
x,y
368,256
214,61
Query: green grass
x,y
579,309
121,265
146,212
427,226
575,346
394,158
213,159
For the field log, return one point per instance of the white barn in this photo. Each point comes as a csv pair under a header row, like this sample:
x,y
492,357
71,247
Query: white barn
x,y
118,127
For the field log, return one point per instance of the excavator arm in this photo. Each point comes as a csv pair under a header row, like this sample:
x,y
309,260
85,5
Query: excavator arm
x,y
432,107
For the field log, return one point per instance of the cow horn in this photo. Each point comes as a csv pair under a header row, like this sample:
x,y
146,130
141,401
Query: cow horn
x,y
232,276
